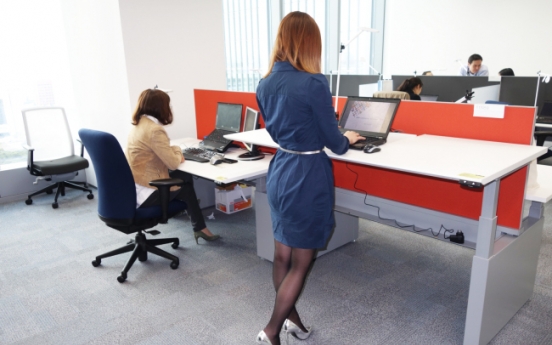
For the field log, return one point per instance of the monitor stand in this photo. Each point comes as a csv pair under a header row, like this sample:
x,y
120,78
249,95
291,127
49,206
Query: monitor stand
x,y
251,156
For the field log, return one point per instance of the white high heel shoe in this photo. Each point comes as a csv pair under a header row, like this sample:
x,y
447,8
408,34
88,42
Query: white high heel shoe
x,y
294,330
263,339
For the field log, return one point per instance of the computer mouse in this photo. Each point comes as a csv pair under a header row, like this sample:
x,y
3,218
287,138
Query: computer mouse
x,y
216,159
371,149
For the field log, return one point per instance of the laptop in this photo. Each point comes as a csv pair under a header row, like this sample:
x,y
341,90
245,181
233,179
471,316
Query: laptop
x,y
370,117
228,121
545,115
429,98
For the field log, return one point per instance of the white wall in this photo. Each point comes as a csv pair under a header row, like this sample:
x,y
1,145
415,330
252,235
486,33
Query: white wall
x,y
177,45
97,62
431,34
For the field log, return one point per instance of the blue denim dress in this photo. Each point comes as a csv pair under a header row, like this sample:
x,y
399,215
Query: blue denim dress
x,y
297,109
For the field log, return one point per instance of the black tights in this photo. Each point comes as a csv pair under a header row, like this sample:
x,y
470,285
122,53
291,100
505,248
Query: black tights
x,y
290,269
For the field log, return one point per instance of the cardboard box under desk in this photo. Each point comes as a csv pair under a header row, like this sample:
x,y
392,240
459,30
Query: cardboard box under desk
x,y
233,198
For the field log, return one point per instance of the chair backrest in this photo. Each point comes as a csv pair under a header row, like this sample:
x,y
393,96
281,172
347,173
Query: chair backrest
x,y
48,132
391,94
116,188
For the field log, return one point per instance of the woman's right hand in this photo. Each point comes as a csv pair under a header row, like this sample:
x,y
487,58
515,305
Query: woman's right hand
x,y
353,137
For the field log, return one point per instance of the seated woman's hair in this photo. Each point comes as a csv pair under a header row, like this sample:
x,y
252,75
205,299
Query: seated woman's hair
x,y
506,71
155,103
410,84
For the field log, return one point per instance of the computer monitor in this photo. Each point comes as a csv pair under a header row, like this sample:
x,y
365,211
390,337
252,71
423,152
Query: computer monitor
x,y
429,98
250,123
485,93
229,117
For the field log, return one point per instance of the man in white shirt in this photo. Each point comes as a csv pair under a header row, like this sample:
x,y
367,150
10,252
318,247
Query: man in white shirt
x,y
475,67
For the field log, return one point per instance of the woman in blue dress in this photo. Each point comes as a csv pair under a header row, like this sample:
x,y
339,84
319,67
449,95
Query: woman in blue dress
x,y
296,105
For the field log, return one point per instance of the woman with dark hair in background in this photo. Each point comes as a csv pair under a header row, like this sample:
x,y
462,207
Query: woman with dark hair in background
x,y
295,102
150,157
413,87
506,72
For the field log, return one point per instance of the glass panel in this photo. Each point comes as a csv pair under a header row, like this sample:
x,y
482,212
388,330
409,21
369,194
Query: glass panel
x,y
247,43
355,58
36,75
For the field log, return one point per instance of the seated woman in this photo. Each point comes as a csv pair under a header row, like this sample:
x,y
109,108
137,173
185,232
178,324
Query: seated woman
x,y
150,157
413,87
506,72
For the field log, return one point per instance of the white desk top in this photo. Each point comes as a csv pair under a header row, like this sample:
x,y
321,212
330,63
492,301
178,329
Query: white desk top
x,y
442,157
223,172
542,192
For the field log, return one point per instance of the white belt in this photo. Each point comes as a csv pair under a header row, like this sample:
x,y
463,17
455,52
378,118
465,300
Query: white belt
x,y
300,152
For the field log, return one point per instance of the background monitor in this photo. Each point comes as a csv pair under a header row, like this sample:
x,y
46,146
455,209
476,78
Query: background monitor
x,y
485,93
429,98
229,116
250,123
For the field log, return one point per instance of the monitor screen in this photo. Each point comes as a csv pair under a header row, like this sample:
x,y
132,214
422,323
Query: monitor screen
x,y
250,123
546,109
429,98
229,116
372,116
485,93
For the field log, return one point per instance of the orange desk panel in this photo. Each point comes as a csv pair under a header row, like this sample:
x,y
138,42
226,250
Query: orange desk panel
x,y
446,119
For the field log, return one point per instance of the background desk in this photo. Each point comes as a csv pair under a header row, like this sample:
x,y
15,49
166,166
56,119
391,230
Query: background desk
x,y
504,266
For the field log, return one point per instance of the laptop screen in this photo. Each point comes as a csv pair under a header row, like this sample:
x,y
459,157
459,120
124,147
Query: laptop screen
x,y
229,116
369,116
429,98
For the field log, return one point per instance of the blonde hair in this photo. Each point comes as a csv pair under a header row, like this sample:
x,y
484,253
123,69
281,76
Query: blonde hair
x,y
298,42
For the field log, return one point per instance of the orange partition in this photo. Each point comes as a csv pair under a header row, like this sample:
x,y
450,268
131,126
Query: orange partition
x,y
446,119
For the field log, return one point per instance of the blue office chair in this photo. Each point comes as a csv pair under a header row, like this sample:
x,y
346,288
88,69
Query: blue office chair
x,y
117,201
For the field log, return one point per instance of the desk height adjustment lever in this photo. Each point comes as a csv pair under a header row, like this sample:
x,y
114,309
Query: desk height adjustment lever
x,y
471,184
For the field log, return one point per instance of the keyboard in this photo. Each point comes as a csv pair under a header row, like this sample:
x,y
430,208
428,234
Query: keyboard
x,y
544,119
197,154
359,145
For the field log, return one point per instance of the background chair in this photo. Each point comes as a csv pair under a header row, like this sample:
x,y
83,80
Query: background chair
x,y
391,94
50,152
117,201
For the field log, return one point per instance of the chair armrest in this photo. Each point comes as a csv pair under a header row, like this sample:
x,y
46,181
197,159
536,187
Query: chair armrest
x,y
164,186
540,136
82,147
30,150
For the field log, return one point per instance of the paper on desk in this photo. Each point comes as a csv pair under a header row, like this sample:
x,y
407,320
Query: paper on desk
x,y
489,110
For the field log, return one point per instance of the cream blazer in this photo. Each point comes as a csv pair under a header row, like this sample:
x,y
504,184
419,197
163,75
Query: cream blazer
x,y
150,154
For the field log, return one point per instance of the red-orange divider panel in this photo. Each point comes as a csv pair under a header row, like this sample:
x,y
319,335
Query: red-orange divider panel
x,y
447,119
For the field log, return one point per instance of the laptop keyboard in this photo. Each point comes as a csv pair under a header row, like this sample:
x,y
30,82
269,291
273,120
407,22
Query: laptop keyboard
x,y
359,145
218,137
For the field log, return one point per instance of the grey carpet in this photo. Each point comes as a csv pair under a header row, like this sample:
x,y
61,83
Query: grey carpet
x,y
389,287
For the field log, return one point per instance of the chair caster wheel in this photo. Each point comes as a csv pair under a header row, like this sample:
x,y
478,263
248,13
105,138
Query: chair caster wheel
x,y
122,277
55,205
29,201
90,196
175,244
174,265
96,262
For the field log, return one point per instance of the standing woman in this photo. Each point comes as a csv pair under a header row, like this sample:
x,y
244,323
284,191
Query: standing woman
x,y
296,105
150,157
413,87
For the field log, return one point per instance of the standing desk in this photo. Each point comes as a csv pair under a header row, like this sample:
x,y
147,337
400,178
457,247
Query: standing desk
x,y
504,266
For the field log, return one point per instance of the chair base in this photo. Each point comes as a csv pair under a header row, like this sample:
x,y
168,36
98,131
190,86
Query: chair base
x,y
60,186
140,248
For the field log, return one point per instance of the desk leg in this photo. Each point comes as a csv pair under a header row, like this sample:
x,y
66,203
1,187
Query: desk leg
x,y
503,273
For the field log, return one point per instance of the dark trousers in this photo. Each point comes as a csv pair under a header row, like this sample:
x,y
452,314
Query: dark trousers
x,y
187,194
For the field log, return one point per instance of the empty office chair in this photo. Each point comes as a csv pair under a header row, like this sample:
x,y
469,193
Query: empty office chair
x,y
391,94
117,201
50,150
540,138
